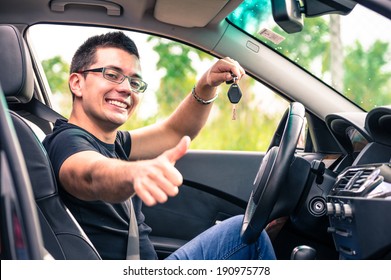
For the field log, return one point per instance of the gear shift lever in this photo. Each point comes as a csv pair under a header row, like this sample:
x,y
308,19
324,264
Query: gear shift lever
x,y
303,252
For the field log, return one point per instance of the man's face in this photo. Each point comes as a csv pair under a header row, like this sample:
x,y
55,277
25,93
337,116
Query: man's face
x,y
104,102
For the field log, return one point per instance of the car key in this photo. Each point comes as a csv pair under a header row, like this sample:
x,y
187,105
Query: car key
x,y
234,96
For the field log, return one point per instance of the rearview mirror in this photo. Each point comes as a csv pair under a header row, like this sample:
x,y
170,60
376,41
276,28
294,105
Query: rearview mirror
x,y
287,14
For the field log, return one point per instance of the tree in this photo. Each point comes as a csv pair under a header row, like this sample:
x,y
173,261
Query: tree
x,y
360,75
302,48
336,53
56,70
250,13
366,80
180,75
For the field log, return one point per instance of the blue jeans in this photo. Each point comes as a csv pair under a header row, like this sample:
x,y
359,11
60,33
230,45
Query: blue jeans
x,y
223,242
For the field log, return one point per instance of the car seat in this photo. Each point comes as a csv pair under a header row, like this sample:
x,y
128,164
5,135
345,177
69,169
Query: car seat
x,y
63,237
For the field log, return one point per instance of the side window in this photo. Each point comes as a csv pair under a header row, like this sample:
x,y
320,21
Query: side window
x,y
171,69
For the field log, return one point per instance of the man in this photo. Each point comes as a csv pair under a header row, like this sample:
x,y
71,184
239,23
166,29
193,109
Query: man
x,y
99,168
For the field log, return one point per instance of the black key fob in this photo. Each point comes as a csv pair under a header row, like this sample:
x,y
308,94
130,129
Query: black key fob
x,y
234,93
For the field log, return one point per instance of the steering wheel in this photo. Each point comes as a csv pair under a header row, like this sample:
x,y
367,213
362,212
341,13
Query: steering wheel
x,y
272,173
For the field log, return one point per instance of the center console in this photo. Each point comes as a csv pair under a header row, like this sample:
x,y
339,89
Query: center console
x,y
359,211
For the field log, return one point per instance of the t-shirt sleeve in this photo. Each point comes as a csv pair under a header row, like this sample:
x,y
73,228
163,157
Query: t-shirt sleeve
x,y
63,145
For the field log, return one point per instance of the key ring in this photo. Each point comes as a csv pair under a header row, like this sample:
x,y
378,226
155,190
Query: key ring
x,y
234,79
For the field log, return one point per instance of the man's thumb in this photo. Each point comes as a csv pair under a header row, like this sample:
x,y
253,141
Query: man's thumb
x,y
179,150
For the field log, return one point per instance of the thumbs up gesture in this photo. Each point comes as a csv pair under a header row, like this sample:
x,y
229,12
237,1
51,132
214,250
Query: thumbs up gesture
x,y
157,179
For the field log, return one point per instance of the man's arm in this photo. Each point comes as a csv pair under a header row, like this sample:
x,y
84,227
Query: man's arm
x,y
188,118
90,176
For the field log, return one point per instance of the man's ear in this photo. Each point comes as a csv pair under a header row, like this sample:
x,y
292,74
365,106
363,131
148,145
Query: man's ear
x,y
76,84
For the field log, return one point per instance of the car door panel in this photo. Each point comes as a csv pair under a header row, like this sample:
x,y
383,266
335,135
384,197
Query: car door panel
x,y
217,185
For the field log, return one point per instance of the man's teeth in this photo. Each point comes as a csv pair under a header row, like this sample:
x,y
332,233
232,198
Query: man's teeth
x,y
118,103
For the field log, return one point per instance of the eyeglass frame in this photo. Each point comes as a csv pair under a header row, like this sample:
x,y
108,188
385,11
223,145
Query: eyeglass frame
x,y
103,70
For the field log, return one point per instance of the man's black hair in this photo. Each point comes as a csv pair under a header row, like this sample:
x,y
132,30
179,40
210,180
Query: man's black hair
x,y
85,54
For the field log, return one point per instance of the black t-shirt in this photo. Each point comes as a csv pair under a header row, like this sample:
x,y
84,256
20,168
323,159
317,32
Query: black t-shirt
x,y
106,224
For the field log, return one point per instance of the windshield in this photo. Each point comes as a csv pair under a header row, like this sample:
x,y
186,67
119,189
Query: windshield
x,y
350,53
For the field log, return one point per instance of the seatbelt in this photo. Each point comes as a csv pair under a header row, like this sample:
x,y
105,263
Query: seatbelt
x,y
36,107
133,249
34,111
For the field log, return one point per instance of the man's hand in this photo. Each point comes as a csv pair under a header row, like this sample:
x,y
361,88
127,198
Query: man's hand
x,y
157,179
222,71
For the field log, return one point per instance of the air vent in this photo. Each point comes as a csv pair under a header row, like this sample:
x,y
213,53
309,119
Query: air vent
x,y
357,181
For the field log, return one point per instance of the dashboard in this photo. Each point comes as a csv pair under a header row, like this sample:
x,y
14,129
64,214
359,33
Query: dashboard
x,y
359,203
357,140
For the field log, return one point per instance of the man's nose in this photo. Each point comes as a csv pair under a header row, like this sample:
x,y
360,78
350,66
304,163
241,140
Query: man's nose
x,y
125,86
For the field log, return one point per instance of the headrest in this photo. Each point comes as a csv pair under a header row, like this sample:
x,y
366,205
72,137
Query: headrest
x,y
16,73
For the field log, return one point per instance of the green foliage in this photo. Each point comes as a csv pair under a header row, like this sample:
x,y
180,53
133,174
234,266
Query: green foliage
x,y
300,47
366,81
251,131
56,70
250,14
180,75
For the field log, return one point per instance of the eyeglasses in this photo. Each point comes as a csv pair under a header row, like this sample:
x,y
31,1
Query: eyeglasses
x,y
117,77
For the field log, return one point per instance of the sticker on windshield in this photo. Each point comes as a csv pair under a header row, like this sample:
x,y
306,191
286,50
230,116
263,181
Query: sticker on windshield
x,y
271,36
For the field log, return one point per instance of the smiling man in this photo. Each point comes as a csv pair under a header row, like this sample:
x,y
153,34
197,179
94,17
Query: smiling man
x,y
98,167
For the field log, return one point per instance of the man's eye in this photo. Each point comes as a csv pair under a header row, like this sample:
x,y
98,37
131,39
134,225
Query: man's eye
x,y
135,84
113,76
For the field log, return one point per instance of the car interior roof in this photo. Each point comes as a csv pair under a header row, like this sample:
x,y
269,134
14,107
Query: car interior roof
x,y
191,13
